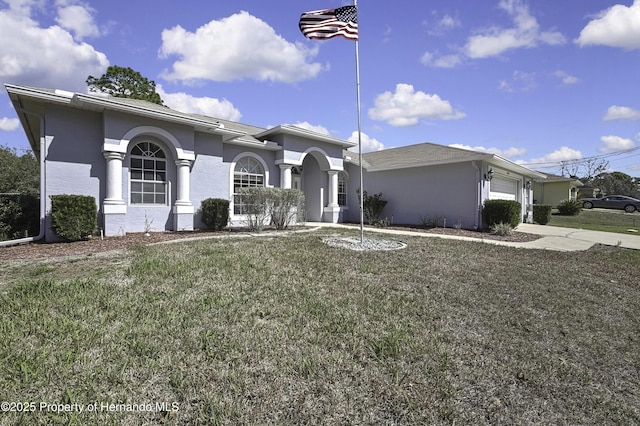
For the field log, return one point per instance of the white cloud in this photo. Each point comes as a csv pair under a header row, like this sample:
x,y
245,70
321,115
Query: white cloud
x,y
369,144
78,19
562,154
406,107
441,24
210,107
33,57
9,124
618,26
234,48
441,61
616,112
525,33
566,78
521,81
505,153
615,143
308,126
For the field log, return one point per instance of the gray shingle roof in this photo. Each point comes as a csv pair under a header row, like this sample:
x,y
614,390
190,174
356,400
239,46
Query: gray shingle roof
x,y
423,154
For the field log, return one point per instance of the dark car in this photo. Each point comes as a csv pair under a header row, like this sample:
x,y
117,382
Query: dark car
x,y
621,202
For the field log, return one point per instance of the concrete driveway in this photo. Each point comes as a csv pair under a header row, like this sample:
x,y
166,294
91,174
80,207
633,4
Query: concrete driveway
x,y
568,239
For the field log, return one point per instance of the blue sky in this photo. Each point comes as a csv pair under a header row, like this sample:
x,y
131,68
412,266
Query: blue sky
x,y
537,82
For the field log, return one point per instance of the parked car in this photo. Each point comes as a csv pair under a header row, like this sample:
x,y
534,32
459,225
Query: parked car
x,y
621,202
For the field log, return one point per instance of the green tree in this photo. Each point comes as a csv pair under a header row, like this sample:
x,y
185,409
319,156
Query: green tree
x,y
617,183
19,187
125,83
18,174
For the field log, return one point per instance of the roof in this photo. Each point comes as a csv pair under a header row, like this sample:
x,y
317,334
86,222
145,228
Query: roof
x,y
232,132
557,178
430,154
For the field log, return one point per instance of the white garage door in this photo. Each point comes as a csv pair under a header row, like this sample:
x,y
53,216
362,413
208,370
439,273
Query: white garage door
x,y
503,189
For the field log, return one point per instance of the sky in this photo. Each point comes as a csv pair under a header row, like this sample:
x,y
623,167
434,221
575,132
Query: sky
x,y
536,82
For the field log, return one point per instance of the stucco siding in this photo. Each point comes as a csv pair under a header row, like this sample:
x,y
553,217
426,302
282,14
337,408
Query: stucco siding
x,y
448,191
209,174
74,161
552,193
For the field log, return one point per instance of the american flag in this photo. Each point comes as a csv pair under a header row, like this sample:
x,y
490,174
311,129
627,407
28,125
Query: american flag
x,y
329,23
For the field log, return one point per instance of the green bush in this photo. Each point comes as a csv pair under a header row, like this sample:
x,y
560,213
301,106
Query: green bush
x,y
215,213
502,211
262,206
542,213
372,206
502,229
570,207
284,206
19,216
73,217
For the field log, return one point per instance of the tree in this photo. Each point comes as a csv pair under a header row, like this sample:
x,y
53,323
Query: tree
x,y
617,183
584,170
18,174
125,83
19,188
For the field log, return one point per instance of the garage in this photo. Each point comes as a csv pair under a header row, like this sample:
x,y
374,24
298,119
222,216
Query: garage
x,y
503,189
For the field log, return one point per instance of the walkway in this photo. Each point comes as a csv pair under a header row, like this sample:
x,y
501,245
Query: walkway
x,y
553,237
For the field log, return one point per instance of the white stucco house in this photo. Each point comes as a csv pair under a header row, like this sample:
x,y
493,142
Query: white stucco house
x,y
145,163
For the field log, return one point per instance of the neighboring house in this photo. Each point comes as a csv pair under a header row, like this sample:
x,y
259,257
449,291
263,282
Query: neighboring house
x,y
555,189
146,164
435,181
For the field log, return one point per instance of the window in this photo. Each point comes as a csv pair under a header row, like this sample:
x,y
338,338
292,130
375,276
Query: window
x,y
148,174
248,173
342,189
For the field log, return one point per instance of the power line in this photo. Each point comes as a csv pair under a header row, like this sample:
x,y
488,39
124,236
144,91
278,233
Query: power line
x,y
550,164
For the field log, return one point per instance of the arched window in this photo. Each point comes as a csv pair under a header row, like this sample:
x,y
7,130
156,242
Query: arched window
x,y
342,189
148,174
248,173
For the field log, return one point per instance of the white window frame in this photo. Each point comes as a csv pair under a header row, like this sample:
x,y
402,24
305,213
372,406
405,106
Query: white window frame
x,y
155,176
252,178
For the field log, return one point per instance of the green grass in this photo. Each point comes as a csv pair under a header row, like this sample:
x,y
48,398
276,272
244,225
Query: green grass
x,y
290,331
599,220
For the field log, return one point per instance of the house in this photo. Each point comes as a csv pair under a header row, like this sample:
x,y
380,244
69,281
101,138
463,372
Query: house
x,y
430,180
149,166
554,189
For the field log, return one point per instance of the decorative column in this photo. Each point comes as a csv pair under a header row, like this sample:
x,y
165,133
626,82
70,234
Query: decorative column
x,y
332,210
285,176
114,208
183,210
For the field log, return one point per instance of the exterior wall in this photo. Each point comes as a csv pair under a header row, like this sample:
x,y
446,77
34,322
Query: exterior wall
x,y
446,191
209,174
552,192
74,161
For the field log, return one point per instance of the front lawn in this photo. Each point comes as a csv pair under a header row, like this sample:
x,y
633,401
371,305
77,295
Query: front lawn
x,y
287,330
600,220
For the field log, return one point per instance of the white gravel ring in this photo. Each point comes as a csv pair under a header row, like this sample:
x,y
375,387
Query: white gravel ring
x,y
367,244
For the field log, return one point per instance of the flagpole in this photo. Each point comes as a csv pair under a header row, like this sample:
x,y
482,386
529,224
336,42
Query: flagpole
x,y
355,3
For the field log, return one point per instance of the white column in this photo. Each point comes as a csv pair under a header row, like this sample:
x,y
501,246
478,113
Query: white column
x,y
183,196
113,182
333,188
285,176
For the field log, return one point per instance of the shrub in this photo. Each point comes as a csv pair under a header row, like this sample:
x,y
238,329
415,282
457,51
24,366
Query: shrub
x,y
502,229
284,206
570,207
73,217
19,216
215,213
542,213
278,206
502,211
429,221
372,206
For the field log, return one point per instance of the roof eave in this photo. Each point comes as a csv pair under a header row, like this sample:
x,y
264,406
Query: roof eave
x,y
298,131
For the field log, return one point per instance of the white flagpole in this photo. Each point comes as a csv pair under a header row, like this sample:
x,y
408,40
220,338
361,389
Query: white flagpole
x,y
355,3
